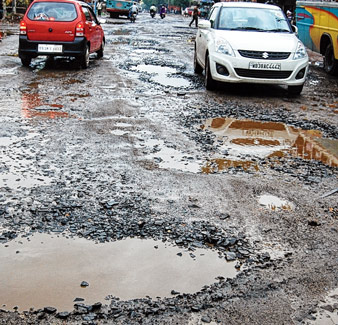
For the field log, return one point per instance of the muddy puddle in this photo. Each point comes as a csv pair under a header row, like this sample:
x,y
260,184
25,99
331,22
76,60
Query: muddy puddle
x,y
167,157
240,144
274,203
164,76
45,270
256,139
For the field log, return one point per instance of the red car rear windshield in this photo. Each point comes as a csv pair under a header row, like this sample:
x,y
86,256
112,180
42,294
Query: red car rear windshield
x,y
52,11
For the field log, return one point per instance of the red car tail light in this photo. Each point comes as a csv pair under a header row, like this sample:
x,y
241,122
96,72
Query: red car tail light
x,y
79,29
23,28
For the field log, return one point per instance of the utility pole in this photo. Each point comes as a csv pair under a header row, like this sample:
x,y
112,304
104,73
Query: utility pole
x,y
14,7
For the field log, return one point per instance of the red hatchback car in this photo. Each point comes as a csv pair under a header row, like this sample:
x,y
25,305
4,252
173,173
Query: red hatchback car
x,y
60,28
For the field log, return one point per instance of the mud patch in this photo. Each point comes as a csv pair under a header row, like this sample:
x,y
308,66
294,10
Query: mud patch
x,y
43,270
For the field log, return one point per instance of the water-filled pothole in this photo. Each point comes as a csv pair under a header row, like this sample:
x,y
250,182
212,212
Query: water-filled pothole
x,y
48,271
257,139
275,203
162,75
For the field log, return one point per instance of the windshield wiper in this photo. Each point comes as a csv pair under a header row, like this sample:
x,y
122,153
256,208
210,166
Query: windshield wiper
x,y
247,28
278,30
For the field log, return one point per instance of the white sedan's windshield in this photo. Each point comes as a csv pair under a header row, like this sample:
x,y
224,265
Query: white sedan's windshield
x,y
258,19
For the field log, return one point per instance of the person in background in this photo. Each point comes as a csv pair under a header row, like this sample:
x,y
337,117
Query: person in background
x,y
162,10
153,8
99,8
289,16
195,16
133,9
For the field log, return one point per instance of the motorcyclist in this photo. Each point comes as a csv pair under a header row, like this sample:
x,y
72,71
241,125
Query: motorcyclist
x,y
162,11
133,9
153,9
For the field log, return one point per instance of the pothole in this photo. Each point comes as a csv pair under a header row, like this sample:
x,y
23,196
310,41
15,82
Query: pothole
x,y
275,203
242,140
43,270
162,75
170,158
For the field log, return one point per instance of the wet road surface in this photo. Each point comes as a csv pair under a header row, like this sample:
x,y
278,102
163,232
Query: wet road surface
x,y
135,147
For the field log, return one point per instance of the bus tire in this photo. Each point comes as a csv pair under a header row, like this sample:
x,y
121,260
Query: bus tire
x,y
330,63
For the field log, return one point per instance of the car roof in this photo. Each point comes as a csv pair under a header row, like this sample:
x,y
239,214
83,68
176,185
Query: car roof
x,y
246,5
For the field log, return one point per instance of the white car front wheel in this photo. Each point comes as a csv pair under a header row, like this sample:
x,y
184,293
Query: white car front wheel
x,y
197,67
210,83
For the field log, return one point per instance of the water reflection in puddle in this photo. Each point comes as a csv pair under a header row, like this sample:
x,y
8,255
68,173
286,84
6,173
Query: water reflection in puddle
x,y
34,106
274,203
48,271
266,139
220,164
163,75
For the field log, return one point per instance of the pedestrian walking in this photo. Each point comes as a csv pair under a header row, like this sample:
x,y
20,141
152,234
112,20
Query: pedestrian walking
x,y
195,16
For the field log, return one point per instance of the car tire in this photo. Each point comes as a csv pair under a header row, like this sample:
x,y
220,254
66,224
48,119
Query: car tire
x,y
210,83
197,67
26,61
100,51
330,63
295,90
84,60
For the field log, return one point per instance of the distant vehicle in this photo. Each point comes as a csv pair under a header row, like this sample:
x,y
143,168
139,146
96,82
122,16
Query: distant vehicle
x,y
189,11
245,42
317,24
133,17
117,8
60,28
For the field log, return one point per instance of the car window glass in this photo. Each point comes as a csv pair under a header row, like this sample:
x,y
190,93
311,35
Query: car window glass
x,y
87,13
212,16
52,11
93,16
252,19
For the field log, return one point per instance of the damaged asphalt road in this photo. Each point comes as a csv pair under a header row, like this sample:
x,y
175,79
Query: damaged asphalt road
x,y
135,147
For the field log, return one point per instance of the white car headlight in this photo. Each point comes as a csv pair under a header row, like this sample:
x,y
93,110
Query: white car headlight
x,y
224,47
300,52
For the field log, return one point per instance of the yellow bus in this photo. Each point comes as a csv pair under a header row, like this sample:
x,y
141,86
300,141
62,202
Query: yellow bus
x,y
317,23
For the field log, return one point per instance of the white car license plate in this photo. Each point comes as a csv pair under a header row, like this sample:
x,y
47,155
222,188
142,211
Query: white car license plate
x,y
264,66
50,48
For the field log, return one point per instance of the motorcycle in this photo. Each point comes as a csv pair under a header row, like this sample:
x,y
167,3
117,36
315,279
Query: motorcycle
x,y
152,13
162,15
133,17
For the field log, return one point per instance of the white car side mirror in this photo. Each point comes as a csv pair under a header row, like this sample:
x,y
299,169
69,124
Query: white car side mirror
x,y
204,24
294,29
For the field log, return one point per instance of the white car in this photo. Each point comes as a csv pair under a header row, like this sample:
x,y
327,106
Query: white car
x,y
243,42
